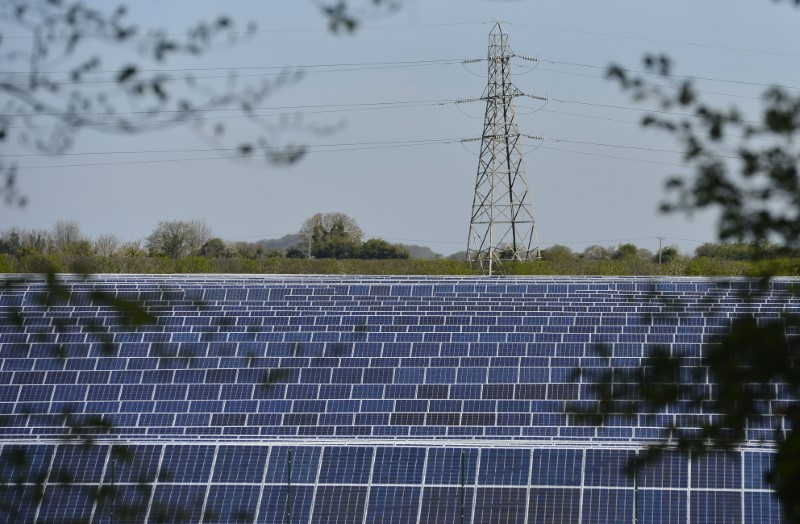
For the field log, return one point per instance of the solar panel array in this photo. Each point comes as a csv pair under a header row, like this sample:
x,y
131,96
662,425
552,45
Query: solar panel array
x,y
361,399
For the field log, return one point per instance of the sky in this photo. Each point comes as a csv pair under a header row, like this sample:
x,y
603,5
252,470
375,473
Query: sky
x,y
376,110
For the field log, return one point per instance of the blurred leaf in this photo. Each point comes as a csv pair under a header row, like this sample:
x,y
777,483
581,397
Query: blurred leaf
x,y
126,73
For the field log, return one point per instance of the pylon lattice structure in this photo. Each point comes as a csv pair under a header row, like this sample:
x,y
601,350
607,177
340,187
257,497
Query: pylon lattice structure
x,y
502,227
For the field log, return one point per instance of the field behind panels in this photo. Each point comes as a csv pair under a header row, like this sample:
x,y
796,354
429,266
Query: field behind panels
x,y
361,399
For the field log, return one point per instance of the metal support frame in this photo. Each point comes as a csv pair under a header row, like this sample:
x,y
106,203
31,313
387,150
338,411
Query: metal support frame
x,y
502,227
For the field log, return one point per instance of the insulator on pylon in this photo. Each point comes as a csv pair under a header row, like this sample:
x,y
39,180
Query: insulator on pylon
x,y
526,57
538,97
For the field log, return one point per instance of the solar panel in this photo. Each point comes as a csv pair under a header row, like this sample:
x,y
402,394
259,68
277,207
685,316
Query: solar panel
x,y
362,399
663,506
554,505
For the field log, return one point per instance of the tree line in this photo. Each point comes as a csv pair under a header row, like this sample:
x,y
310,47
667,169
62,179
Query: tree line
x,y
331,243
325,235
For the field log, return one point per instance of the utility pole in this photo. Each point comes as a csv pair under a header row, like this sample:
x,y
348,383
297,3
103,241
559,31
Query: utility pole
x,y
660,239
502,227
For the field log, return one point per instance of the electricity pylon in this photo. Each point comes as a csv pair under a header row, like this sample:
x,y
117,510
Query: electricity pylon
x,y
502,225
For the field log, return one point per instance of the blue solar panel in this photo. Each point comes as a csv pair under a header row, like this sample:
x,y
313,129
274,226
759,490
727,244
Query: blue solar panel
x,y
662,506
717,470
178,502
557,467
66,504
608,506
446,504
399,465
240,464
346,465
716,506
554,505
393,504
339,504
504,467
187,464
399,399
232,503
500,505
281,504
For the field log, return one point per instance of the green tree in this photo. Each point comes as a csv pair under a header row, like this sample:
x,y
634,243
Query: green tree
x,y
67,239
177,238
666,255
558,253
295,252
106,245
376,248
596,253
10,242
215,248
132,249
625,251
331,235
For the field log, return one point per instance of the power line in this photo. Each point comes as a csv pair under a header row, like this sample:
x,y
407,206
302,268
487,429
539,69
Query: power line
x,y
638,148
354,146
732,95
218,149
628,108
615,157
420,63
267,31
239,68
672,75
638,123
328,148
422,141
403,63
650,149
598,241
660,41
335,108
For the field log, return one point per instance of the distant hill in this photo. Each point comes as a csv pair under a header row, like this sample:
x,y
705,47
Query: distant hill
x,y
420,252
280,243
461,255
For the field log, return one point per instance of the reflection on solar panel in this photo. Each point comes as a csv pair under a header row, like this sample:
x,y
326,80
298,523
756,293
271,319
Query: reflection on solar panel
x,y
400,399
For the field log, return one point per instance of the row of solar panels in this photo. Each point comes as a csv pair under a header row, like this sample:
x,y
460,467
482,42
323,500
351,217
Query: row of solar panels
x,y
622,312
282,299
259,483
260,288
288,426
510,283
332,504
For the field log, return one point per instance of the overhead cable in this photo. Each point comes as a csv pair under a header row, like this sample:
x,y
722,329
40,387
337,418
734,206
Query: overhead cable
x,y
672,75
660,41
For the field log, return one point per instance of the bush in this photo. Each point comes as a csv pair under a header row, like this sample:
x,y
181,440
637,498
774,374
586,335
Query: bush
x,y
376,248
705,266
7,263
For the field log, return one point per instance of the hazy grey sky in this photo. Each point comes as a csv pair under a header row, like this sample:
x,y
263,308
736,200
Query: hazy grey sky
x,y
422,194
